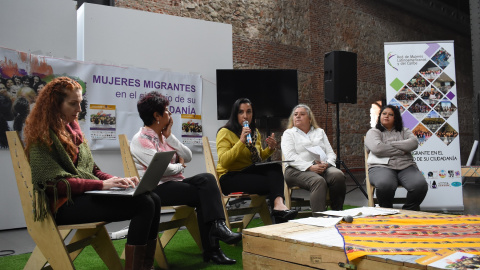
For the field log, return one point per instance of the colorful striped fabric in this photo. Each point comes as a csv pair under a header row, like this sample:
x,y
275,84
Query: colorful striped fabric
x,y
413,235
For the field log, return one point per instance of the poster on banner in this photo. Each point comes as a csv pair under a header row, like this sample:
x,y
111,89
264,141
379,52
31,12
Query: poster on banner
x,y
421,82
110,94
102,122
191,129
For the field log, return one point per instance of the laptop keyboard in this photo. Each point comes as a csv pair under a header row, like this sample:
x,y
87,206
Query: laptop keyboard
x,y
117,190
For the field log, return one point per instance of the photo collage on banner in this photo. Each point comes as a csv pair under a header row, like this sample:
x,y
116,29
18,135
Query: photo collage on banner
x,y
420,80
110,95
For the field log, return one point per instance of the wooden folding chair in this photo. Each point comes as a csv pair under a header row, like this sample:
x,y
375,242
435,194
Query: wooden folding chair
x,y
258,203
47,235
184,215
371,187
294,202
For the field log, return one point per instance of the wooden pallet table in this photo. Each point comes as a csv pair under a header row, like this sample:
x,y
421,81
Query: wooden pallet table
x,y
298,246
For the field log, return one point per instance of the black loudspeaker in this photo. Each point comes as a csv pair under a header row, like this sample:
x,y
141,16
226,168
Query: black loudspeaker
x,y
340,77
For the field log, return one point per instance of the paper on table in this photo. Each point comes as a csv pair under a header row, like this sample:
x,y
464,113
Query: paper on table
x,y
327,236
317,153
318,221
361,212
449,259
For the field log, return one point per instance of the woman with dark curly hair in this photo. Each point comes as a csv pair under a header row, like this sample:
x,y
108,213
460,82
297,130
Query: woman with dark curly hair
x,y
199,191
391,162
63,169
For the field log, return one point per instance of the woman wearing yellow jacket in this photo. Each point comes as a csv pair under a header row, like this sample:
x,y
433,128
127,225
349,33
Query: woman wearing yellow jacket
x,y
239,147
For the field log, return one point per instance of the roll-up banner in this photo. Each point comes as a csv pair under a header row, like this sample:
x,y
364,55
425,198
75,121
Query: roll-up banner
x,y
110,95
420,81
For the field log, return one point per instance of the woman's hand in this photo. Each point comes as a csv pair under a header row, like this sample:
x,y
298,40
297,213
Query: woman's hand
x,y
272,143
167,131
120,182
182,161
243,135
318,167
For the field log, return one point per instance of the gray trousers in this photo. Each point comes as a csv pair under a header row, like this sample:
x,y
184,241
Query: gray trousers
x,y
317,184
387,180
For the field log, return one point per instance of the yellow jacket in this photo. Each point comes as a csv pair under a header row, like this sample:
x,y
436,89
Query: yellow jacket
x,y
233,155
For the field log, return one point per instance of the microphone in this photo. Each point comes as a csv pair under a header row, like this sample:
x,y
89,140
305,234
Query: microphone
x,y
249,137
348,219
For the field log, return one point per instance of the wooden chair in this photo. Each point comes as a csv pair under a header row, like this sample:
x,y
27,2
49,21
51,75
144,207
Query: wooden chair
x,y
371,187
49,237
184,215
258,203
290,201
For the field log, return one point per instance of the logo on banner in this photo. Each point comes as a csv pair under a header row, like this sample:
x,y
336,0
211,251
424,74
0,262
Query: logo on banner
x,y
442,174
390,56
456,184
433,184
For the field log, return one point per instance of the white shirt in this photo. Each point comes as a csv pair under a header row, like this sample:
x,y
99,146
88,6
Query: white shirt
x,y
295,142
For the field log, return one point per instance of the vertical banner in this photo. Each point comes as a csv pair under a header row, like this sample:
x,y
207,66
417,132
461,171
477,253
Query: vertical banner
x,y
110,95
420,81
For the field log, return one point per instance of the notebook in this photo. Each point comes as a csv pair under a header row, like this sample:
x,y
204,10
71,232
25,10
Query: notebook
x,y
149,181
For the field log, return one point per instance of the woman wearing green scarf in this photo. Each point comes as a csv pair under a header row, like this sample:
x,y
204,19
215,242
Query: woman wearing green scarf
x,y
63,169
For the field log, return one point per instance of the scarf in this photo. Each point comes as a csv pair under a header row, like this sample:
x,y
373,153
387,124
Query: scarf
x,y
53,165
254,155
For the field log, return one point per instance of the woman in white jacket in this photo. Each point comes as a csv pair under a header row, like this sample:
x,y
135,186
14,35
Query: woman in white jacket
x,y
313,167
391,163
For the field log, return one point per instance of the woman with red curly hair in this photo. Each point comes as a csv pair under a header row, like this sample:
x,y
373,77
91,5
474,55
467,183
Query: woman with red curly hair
x,y
63,169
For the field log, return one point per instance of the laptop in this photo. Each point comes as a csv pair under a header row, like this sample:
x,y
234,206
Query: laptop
x,y
149,181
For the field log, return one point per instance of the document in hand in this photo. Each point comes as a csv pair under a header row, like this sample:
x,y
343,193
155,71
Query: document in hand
x,y
317,153
372,159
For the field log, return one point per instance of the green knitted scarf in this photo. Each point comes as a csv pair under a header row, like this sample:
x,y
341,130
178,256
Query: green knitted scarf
x,y
51,166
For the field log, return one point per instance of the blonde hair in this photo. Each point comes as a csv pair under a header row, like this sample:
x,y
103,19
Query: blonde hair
x,y
313,122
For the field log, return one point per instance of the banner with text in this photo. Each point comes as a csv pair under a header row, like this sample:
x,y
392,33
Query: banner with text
x,y
421,82
110,95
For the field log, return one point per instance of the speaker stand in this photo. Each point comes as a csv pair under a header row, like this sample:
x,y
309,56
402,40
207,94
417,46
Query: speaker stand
x,y
340,162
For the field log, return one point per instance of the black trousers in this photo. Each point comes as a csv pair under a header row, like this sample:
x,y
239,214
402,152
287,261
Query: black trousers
x,y
199,191
143,211
262,180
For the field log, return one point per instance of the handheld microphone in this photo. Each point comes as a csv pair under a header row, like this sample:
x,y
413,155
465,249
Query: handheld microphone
x,y
249,137
348,219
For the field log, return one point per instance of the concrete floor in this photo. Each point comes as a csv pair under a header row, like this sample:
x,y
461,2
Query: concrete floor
x,y
19,241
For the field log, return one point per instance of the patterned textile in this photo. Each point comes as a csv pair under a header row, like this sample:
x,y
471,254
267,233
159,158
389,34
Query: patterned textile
x,y
412,235
254,155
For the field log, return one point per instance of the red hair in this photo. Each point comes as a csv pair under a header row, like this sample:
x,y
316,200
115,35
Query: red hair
x,y
47,114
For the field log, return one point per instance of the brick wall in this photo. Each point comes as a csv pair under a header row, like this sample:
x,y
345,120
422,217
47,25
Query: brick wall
x,y
296,34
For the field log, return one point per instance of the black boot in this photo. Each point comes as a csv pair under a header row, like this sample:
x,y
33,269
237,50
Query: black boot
x,y
150,254
281,216
216,255
220,231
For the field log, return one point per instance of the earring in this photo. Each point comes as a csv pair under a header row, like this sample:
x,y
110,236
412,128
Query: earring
x,y
158,122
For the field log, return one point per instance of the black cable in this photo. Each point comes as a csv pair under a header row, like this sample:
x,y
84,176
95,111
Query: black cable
x,y
326,125
7,252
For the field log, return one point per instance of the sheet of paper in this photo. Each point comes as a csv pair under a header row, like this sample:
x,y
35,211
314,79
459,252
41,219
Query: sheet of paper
x,y
318,221
360,212
448,259
327,236
372,159
317,152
